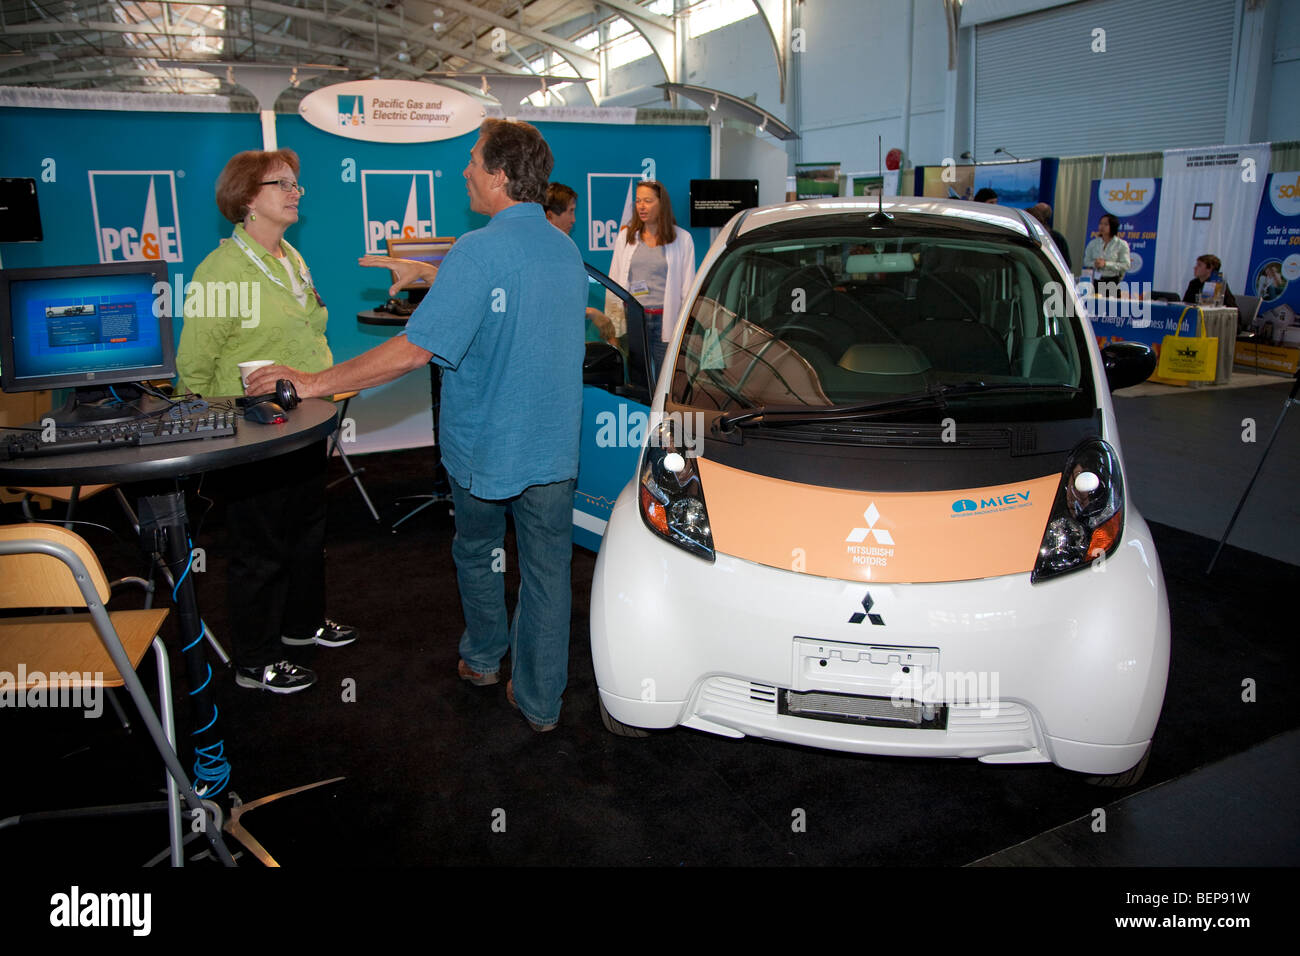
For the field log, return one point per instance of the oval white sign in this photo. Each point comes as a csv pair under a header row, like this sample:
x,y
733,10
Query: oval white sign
x,y
392,111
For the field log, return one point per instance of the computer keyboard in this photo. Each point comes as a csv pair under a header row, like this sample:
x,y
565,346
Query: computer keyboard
x,y
88,438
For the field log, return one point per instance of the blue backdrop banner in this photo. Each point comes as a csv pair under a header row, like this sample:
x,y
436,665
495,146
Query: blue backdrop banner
x,y
1136,203
1275,256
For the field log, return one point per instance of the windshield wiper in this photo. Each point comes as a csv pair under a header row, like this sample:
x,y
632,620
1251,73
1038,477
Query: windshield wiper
x,y
769,415
934,397
980,388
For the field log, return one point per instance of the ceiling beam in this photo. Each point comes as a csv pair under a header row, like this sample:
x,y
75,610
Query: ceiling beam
x,y
367,28
568,47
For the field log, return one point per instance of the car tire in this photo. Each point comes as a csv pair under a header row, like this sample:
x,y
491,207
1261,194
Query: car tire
x,y
1126,779
617,727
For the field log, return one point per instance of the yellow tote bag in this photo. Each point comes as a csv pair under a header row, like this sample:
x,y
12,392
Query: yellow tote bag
x,y
1186,358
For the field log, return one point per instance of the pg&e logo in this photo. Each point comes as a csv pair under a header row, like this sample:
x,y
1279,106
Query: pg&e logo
x,y
136,215
610,200
396,204
352,111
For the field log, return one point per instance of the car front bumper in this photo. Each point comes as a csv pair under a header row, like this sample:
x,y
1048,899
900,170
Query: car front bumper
x,y
1071,670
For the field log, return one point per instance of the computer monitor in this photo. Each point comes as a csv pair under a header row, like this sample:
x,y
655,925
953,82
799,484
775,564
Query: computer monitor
x,y
431,250
87,327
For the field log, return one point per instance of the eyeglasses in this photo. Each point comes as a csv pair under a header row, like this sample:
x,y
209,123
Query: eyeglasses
x,y
288,185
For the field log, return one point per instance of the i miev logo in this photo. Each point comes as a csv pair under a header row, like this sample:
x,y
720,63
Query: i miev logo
x,y
396,204
136,215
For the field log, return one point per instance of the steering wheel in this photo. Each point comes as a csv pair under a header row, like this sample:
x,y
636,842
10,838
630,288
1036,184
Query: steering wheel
x,y
781,331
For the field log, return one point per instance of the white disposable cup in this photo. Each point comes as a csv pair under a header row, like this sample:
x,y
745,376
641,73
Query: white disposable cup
x,y
245,368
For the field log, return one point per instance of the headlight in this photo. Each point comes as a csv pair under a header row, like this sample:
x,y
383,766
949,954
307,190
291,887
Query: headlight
x,y
1087,519
671,498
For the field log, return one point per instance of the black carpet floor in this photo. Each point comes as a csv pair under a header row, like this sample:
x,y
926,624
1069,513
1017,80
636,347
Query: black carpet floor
x,y
439,772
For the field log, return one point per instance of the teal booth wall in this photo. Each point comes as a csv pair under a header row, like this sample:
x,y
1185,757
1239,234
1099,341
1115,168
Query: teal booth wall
x,y
95,168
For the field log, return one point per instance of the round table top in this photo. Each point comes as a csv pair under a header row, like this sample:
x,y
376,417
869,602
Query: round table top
x,y
314,420
375,317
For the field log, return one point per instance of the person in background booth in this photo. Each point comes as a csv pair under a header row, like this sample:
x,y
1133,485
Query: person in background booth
x,y
654,259
985,194
275,510
1206,269
1043,213
1108,254
561,208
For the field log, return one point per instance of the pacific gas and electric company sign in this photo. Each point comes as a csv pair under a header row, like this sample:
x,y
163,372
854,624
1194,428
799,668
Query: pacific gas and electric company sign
x,y
392,111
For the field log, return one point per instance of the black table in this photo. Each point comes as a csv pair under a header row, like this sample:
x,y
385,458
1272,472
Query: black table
x,y
394,320
164,524
310,422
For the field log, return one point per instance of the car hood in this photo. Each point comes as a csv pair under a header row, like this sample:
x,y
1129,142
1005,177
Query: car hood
x,y
888,537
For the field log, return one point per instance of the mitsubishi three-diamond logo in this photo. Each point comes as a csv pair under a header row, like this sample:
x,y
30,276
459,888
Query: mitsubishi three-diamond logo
x,y
870,547
858,535
860,616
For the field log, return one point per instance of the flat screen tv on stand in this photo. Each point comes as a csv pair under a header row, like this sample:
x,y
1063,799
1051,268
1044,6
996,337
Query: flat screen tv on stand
x,y
102,329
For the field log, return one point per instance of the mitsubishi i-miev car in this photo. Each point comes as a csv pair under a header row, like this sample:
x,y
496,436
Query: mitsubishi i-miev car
x,y
880,506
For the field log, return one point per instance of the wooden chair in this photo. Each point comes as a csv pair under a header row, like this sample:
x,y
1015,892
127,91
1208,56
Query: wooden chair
x,y
68,495
46,566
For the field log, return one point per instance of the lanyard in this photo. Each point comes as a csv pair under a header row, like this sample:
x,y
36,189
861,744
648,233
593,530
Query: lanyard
x,y
303,273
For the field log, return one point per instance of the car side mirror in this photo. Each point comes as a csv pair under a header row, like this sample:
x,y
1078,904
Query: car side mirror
x,y
1127,363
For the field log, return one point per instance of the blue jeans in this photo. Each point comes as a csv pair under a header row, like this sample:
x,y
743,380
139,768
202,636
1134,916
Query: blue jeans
x,y
538,637
654,324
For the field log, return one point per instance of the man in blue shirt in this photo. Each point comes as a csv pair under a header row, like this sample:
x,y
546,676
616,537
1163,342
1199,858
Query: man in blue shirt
x,y
500,321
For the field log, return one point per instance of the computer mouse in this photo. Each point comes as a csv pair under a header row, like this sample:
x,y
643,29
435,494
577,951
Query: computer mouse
x,y
266,413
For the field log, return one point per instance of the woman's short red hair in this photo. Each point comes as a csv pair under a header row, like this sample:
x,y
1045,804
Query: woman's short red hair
x,y
243,177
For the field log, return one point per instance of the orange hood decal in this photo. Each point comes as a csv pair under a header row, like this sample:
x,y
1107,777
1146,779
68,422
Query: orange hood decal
x,y
908,537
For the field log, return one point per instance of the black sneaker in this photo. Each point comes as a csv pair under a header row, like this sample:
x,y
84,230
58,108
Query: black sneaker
x,y
329,634
282,677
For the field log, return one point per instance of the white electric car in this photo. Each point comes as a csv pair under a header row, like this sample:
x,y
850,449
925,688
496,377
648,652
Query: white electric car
x,y
881,507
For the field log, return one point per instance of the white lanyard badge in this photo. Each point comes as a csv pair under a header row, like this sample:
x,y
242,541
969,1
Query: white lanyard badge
x,y
302,270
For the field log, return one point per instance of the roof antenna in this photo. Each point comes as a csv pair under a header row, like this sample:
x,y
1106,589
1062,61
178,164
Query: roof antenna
x,y
880,217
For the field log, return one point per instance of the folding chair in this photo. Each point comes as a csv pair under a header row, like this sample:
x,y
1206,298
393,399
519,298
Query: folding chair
x,y
46,566
71,495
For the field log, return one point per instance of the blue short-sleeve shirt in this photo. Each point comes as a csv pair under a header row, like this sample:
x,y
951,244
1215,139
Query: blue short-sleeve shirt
x,y
504,319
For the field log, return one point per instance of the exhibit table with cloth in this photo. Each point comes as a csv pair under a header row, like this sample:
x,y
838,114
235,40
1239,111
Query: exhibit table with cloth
x,y
1149,321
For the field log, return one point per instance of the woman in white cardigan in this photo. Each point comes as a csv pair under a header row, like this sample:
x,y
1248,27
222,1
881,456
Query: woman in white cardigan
x,y
654,259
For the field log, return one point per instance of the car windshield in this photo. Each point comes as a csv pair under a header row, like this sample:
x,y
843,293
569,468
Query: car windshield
x,y
846,319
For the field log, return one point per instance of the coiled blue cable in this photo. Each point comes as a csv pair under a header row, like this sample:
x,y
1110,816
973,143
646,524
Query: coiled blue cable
x,y
211,768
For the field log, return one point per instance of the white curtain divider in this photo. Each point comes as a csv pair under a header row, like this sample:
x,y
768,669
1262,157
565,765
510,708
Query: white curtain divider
x,y
1208,202
49,99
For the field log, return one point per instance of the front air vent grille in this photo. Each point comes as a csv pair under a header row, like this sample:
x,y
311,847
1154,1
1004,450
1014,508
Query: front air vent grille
x,y
735,692
866,711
